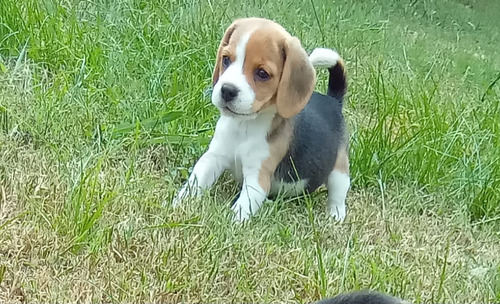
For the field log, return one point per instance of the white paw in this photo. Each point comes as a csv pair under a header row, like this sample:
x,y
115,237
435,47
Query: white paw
x,y
338,212
244,208
241,210
241,216
185,192
178,198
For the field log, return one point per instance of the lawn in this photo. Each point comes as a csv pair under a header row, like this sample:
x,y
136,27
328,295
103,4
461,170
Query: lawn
x,y
104,110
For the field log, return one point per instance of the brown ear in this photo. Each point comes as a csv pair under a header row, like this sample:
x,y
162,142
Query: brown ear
x,y
224,42
297,80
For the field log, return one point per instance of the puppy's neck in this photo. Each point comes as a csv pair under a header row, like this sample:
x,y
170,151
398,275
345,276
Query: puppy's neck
x,y
268,123
280,127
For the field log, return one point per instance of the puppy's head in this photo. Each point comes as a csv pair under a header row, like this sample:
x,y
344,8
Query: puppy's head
x,y
259,66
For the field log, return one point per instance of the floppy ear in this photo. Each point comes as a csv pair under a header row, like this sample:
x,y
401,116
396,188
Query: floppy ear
x,y
297,80
223,43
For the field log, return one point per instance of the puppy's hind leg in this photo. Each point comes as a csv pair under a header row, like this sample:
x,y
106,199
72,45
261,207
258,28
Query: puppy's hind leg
x,y
338,184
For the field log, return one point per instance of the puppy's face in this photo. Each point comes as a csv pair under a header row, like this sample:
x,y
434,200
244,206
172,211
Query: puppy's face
x,y
259,66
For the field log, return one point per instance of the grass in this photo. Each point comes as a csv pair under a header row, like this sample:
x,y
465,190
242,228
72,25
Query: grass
x,y
103,112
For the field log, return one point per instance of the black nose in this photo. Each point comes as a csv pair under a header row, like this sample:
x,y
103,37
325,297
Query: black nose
x,y
228,92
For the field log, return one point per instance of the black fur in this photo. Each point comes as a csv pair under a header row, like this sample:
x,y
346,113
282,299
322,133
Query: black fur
x,y
337,82
361,297
319,129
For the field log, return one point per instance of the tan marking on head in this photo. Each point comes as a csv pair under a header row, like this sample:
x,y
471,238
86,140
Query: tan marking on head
x,y
231,38
278,138
264,51
342,161
273,49
292,80
225,49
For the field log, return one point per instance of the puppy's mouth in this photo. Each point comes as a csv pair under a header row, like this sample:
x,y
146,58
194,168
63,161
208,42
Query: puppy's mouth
x,y
228,110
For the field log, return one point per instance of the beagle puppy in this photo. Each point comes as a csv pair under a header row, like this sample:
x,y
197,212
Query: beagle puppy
x,y
274,134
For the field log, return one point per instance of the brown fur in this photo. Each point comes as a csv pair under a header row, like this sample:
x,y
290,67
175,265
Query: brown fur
x,y
279,138
290,86
231,38
297,81
271,60
342,161
223,44
273,49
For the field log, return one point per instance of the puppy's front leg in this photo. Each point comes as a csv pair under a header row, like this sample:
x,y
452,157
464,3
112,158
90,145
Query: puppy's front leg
x,y
256,185
205,172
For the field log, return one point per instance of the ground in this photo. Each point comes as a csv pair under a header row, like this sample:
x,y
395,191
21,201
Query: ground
x,y
104,110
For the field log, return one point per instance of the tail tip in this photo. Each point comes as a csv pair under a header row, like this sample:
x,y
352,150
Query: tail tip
x,y
325,58
330,59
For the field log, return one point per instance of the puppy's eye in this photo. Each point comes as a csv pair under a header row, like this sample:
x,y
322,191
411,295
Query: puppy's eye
x,y
226,61
262,75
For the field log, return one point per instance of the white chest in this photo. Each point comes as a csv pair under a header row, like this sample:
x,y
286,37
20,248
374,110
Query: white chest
x,y
242,143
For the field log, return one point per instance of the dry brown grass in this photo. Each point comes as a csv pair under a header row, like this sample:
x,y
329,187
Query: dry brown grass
x,y
138,251
81,215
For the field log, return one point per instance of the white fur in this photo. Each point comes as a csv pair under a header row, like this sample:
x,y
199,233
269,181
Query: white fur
x,y
240,146
338,185
324,58
242,104
288,189
239,143
206,171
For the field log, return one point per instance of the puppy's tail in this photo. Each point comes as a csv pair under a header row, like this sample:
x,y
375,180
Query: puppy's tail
x,y
362,297
327,58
